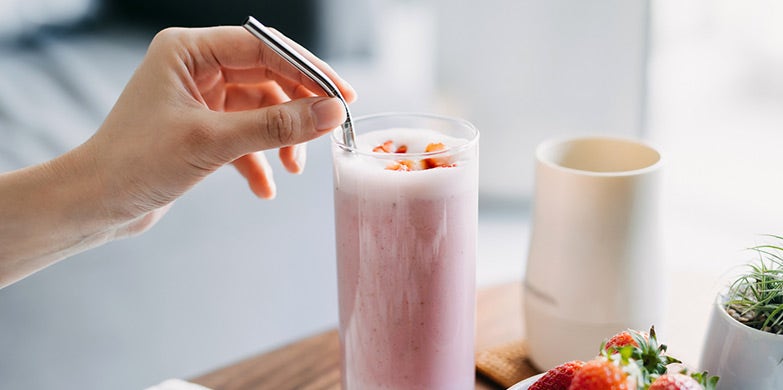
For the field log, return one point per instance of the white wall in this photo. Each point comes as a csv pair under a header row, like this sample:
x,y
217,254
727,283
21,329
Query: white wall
x,y
528,70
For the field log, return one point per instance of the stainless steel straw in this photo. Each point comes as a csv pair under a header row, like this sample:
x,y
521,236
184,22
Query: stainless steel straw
x,y
300,62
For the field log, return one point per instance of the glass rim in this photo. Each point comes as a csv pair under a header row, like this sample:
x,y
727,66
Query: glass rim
x,y
337,135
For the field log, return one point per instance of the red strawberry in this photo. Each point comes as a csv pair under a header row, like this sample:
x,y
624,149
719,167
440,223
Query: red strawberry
x,y
558,378
675,382
600,374
620,340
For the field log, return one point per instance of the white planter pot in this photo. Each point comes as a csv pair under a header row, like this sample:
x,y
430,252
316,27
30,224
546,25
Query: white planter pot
x,y
743,357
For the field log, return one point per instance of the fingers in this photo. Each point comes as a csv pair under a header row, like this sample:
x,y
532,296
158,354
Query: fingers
x,y
238,97
250,97
346,89
291,88
286,124
247,97
242,57
256,170
231,70
294,158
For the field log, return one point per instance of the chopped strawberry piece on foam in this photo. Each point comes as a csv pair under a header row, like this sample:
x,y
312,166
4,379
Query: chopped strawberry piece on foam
x,y
386,147
410,165
402,165
435,162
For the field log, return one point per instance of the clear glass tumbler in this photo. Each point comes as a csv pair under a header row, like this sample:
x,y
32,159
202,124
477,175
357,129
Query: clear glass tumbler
x,y
406,221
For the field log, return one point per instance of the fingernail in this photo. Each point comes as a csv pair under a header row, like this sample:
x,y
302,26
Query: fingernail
x,y
268,189
328,113
300,156
349,88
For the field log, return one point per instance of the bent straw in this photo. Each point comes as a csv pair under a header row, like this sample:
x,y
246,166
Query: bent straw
x,y
303,65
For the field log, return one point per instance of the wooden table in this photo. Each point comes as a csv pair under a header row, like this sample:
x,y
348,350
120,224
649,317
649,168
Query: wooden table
x,y
314,363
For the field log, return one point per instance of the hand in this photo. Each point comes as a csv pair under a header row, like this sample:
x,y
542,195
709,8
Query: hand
x,y
203,98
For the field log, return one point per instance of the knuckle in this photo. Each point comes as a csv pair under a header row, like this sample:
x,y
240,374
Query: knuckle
x,y
170,41
168,35
281,126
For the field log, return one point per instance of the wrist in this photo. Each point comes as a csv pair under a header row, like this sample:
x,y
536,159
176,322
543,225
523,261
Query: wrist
x,y
79,196
48,212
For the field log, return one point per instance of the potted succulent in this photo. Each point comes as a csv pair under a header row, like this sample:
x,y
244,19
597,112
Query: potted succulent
x,y
744,342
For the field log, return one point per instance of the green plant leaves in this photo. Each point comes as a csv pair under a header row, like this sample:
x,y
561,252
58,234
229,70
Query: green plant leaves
x,y
757,295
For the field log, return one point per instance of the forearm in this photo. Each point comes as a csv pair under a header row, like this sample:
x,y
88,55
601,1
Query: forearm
x,y
48,212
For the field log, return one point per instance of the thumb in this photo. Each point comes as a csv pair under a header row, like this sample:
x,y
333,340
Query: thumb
x,y
290,123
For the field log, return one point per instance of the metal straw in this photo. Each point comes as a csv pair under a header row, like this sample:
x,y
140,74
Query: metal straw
x,y
300,62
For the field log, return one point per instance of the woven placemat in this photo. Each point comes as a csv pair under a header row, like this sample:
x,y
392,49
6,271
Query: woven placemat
x,y
506,364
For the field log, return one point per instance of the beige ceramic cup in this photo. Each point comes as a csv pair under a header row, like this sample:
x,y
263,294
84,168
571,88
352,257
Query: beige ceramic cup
x,y
595,253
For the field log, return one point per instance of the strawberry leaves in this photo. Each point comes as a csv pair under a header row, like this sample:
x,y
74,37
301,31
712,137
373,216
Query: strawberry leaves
x,y
708,382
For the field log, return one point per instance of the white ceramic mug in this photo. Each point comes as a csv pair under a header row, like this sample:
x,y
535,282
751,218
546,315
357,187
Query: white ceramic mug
x,y
743,357
593,266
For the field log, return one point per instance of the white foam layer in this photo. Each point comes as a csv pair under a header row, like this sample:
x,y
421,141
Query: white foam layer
x,y
367,175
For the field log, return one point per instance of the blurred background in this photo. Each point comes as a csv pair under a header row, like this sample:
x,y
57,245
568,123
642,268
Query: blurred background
x,y
221,278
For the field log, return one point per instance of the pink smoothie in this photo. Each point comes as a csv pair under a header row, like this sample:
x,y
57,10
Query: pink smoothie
x,y
406,252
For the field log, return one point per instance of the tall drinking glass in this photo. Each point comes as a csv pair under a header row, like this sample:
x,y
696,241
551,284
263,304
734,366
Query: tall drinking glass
x,y
406,208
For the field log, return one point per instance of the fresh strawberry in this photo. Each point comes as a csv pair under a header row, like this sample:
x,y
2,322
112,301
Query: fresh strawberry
x,y
640,347
601,374
620,340
558,378
675,382
630,360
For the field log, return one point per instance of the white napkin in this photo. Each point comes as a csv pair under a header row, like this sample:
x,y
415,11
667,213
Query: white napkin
x,y
176,384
